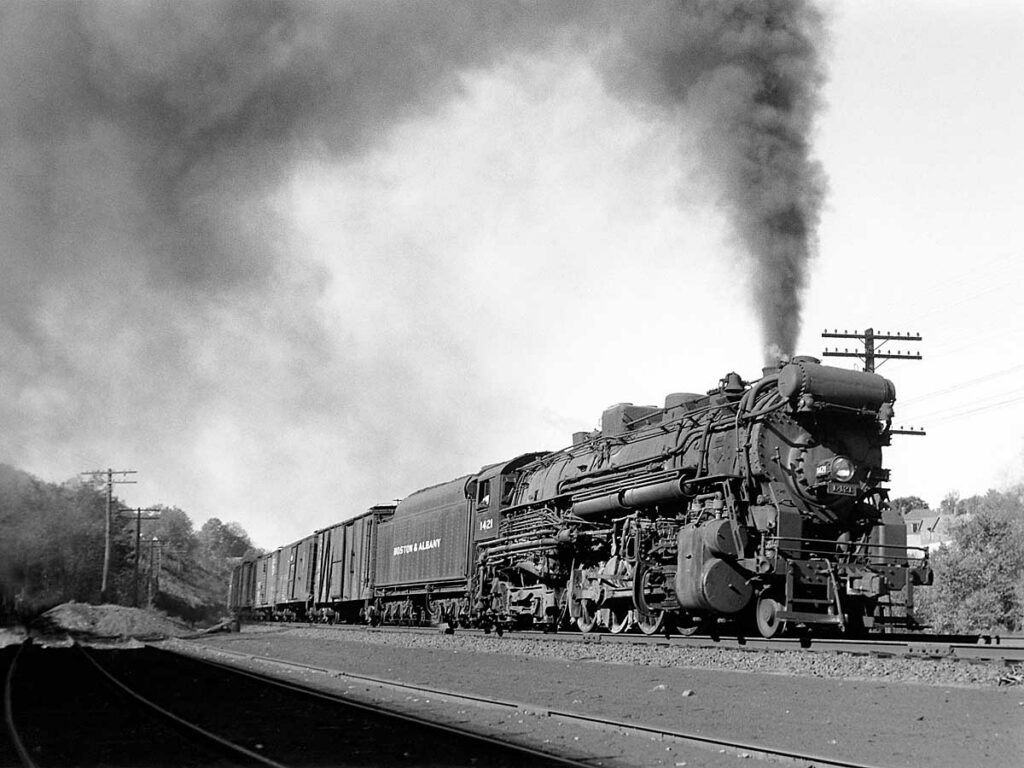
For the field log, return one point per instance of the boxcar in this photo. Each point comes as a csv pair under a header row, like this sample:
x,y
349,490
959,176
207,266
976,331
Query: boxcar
x,y
242,590
294,577
344,567
265,575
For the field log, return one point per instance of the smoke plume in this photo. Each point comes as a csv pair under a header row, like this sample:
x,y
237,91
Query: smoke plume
x,y
749,73
154,296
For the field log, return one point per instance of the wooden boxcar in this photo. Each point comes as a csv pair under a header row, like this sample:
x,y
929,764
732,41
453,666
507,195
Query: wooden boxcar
x,y
242,590
344,565
266,583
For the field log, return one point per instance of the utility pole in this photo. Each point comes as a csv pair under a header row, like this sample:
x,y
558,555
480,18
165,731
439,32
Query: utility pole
x,y
871,353
153,514
157,545
97,476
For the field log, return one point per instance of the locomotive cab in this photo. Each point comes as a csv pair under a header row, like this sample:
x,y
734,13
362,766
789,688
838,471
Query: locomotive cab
x,y
492,491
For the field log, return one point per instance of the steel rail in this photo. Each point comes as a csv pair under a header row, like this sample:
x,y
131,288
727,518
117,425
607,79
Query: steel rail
x,y
306,690
618,726
12,729
168,715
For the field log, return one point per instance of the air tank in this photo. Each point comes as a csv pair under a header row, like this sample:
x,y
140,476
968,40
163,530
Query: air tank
x,y
805,378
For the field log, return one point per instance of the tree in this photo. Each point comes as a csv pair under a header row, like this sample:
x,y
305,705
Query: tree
x,y
224,540
952,504
52,542
905,504
979,578
174,528
52,546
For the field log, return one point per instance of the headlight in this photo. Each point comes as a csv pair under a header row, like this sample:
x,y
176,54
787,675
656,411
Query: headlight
x,y
842,469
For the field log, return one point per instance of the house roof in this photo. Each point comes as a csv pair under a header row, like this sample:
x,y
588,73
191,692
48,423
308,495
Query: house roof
x,y
921,514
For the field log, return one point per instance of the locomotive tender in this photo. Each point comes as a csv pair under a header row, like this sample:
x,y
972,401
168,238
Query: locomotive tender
x,y
758,503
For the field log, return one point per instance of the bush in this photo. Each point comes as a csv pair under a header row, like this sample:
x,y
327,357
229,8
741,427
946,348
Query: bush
x,y
979,578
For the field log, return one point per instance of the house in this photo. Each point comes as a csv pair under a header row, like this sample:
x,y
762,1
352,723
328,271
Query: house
x,y
928,528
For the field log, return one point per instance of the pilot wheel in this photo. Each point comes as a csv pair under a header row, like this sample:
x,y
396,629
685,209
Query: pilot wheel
x,y
766,616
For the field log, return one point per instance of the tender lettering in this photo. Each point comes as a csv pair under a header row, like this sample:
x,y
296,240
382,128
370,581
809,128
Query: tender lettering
x,y
419,546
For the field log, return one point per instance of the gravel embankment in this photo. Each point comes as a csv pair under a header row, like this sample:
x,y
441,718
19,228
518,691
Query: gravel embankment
x,y
938,672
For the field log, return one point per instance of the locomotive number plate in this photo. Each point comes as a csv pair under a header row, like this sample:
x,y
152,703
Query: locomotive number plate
x,y
842,489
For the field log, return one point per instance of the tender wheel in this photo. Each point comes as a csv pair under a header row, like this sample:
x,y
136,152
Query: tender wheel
x,y
855,626
619,620
687,624
766,616
434,615
587,620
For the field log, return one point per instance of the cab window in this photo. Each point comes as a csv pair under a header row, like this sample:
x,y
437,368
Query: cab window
x,y
508,487
483,495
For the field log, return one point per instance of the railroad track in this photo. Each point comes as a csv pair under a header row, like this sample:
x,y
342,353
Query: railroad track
x,y
149,707
737,748
1009,651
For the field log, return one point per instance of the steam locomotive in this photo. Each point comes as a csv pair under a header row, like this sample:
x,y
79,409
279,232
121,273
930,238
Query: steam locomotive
x,y
758,505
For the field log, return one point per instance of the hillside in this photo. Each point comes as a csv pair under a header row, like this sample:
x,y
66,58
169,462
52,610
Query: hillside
x,y
52,552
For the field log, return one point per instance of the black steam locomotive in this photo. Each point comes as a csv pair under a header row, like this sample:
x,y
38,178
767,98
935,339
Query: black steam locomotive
x,y
760,504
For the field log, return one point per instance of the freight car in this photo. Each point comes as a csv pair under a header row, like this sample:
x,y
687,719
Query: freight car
x,y
345,561
759,504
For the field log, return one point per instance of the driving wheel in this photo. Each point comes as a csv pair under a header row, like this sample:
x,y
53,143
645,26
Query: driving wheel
x,y
587,620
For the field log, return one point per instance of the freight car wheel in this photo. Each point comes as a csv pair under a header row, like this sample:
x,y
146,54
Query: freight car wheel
x,y
766,616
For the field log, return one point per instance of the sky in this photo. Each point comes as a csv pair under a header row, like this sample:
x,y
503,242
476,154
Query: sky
x,y
287,266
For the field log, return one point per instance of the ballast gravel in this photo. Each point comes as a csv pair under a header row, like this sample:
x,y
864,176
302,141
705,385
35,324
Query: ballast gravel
x,y
871,711
839,666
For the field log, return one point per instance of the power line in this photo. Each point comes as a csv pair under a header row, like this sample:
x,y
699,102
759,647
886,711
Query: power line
x,y
962,385
951,414
958,280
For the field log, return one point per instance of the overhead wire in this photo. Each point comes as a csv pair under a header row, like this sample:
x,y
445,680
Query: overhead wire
x,y
972,285
980,409
961,385
1004,397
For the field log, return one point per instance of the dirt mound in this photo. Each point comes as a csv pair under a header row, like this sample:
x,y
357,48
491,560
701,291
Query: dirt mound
x,y
82,620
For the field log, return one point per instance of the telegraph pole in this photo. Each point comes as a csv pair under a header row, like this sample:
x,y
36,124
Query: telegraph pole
x,y
97,476
153,514
871,353
157,545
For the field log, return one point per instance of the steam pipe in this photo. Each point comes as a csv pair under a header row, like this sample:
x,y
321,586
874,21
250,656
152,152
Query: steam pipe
x,y
504,548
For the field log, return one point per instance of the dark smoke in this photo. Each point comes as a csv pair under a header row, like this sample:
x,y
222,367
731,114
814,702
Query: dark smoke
x,y
750,73
153,297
